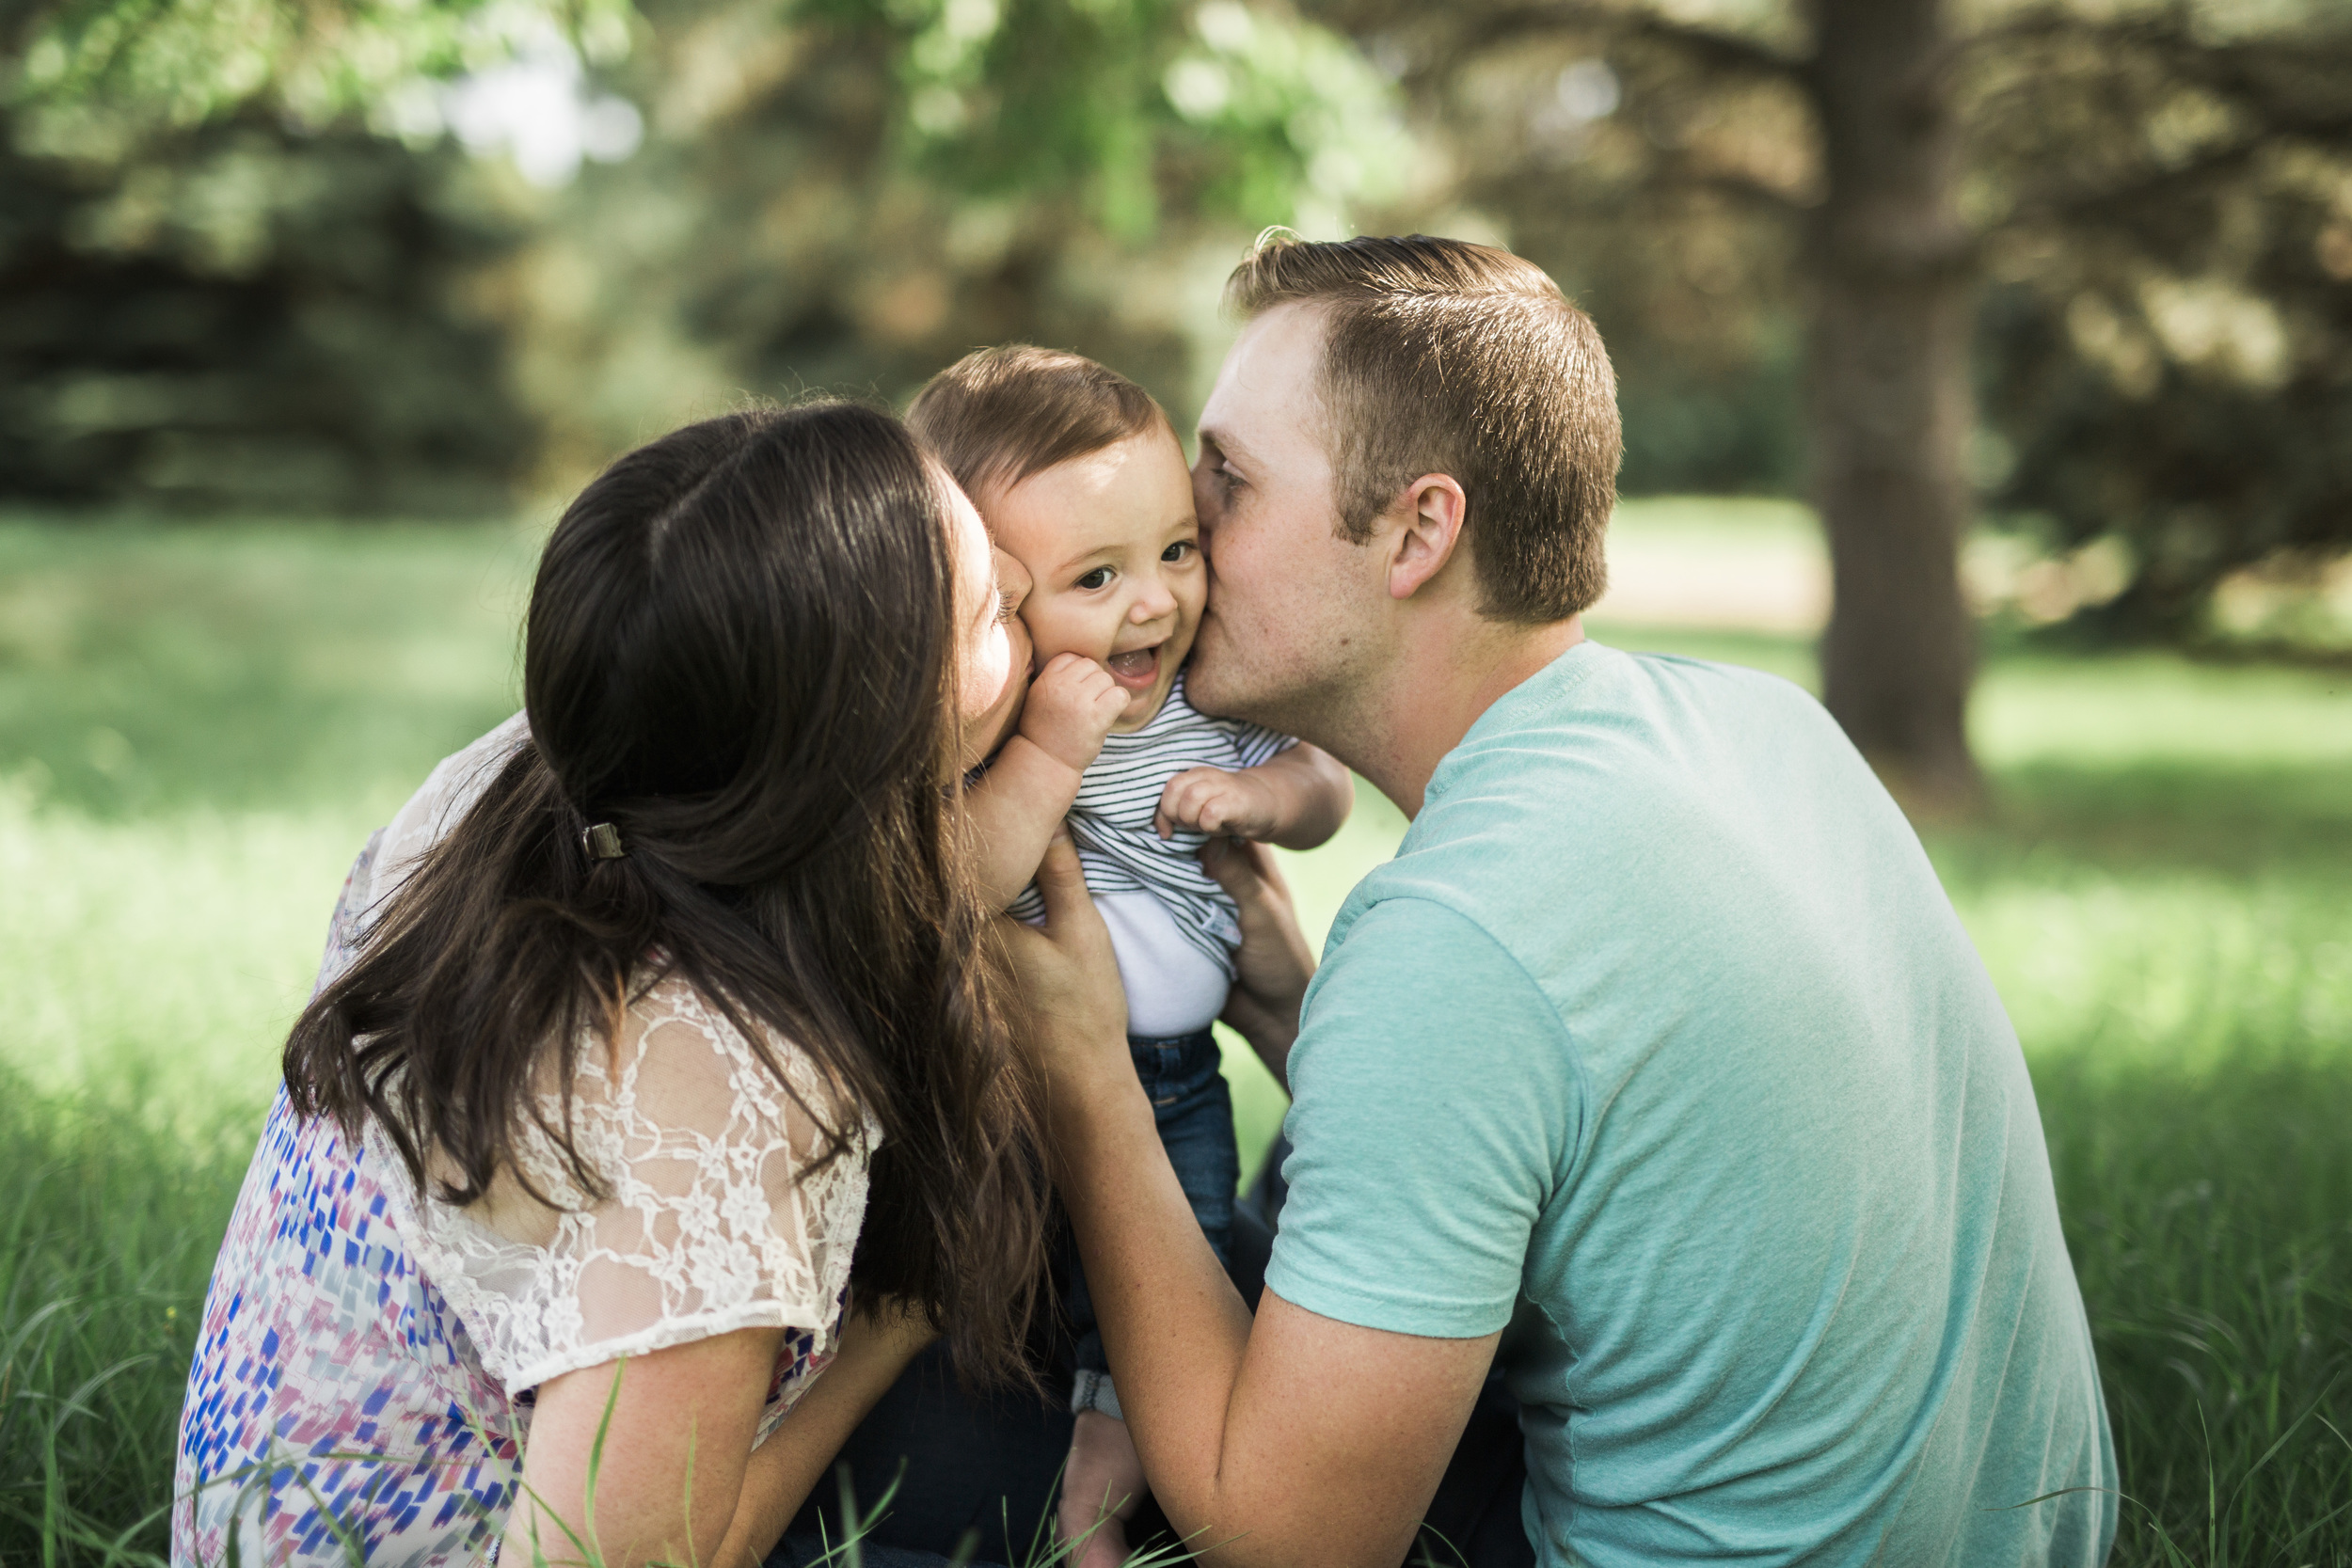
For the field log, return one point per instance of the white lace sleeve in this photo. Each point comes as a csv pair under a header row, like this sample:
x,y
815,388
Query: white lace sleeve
x,y
712,1218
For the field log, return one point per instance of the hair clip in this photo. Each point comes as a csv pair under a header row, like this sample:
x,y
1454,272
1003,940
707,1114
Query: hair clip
x,y
602,841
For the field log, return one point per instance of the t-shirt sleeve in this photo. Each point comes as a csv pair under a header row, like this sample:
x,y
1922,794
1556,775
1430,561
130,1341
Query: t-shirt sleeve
x,y
1436,1101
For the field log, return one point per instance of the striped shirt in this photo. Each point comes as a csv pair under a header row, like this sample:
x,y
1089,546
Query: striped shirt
x,y
1111,821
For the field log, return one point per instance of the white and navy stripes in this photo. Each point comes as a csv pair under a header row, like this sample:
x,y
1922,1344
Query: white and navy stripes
x,y
1111,821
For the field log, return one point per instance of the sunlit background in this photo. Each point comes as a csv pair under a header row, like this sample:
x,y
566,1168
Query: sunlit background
x,y
313,315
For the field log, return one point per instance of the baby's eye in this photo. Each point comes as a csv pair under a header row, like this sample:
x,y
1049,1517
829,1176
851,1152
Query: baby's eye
x,y
1178,550
1099,578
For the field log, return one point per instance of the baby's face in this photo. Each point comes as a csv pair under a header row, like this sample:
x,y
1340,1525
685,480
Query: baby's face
x,y
1112,543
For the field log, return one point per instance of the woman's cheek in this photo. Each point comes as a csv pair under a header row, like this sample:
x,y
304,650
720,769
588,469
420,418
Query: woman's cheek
x,y
985,675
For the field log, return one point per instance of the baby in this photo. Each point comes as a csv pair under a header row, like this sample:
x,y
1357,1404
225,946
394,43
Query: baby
x,y
1079,477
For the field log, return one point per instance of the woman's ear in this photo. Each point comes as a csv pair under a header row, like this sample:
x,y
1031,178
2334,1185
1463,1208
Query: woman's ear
x,y
1429,526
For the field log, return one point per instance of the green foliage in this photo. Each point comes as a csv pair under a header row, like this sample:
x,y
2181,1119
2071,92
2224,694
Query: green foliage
x,y
111,68
104,1251
2158,893
220,292
237,315
2167,350
1239,113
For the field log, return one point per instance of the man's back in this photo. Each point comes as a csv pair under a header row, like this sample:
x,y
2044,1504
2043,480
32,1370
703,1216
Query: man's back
x,y
1659,1047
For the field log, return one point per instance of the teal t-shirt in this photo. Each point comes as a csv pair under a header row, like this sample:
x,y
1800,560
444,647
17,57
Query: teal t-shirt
x,y
1658,1049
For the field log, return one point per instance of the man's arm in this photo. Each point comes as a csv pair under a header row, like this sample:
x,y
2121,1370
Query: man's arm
x,y
1297,1443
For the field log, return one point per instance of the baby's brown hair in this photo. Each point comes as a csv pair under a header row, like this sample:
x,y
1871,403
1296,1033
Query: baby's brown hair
x,y
998,415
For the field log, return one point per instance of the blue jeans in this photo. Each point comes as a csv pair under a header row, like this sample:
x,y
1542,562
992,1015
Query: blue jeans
x,y
1194,1110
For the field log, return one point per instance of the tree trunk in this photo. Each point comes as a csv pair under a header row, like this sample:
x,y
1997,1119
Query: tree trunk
x,y
1888,266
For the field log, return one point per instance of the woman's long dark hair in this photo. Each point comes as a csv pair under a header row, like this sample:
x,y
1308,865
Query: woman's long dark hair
x,y
740,652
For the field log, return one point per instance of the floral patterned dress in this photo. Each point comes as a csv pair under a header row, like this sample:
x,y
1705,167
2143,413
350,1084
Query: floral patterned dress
x,y
362,1383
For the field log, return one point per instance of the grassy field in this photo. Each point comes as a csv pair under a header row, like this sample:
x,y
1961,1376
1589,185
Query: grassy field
x,y
199,726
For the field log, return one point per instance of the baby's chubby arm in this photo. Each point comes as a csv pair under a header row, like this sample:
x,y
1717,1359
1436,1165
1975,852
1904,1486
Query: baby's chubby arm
x,y
1013,811
1297,799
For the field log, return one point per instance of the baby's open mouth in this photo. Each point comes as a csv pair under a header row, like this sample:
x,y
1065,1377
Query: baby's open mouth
x,y
1137,668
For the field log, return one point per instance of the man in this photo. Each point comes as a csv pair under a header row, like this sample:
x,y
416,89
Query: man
x,y
1655,1073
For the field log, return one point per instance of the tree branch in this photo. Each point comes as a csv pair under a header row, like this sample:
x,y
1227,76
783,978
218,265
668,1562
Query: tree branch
x,y
2251,75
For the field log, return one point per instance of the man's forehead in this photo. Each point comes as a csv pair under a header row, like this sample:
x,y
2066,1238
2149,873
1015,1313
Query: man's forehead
x,y
1269,376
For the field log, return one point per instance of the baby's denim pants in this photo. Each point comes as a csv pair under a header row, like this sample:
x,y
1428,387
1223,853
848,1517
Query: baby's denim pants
x,y
1195,1114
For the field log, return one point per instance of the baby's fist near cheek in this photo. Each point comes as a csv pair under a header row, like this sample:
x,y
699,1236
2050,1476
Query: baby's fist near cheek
x,y
1073,705
1213,802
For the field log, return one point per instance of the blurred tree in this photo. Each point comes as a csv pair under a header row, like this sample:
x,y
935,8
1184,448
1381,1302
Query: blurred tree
x,y
1705,165
854,198
234,316
838,191
105,69
2166,355
219,290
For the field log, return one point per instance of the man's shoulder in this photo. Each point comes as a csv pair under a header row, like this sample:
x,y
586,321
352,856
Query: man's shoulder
x,y
1618,792
1603,752
1636,720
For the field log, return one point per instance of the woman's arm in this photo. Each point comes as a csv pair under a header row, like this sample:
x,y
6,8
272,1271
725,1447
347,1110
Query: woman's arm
x,y
690,1411
669,1474
1027,790
783,1470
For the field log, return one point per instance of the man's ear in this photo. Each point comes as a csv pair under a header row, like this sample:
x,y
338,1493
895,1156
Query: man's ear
x,y
1431,512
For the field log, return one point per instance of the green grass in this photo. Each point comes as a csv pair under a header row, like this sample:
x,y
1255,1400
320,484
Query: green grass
x,y
199,725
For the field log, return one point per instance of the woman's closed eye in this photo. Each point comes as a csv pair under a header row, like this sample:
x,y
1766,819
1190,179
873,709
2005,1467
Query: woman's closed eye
x,y
1007,607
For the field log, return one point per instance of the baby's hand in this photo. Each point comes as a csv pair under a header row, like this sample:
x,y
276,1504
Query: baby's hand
x,y
1073,705
1211,800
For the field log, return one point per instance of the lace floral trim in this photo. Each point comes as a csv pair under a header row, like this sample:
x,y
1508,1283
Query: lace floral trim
x,y
712,1222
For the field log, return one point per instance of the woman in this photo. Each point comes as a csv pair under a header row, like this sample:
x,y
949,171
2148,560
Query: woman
x,y
649,1034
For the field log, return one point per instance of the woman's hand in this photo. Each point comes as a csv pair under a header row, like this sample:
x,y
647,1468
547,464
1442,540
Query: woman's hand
x,y
1069,977
1275,963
